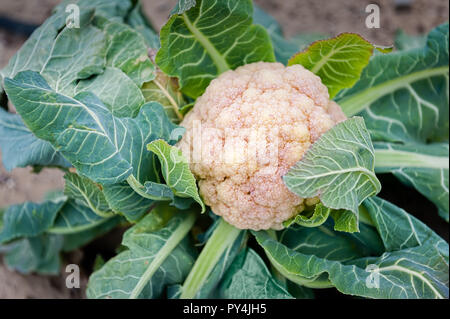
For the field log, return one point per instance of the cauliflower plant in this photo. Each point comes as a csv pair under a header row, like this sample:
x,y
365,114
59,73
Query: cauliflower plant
x,y
249,127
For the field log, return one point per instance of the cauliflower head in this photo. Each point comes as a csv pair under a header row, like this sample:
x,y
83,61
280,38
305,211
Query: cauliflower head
x,y
245,132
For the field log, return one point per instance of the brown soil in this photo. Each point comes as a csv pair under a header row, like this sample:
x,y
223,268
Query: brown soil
x,y
297,16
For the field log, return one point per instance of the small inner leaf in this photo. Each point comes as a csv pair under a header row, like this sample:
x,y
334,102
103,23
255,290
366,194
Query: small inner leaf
x,y
319,216
175,170
339,168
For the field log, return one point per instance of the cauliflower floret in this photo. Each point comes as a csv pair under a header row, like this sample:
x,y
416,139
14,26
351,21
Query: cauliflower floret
x,y
245,132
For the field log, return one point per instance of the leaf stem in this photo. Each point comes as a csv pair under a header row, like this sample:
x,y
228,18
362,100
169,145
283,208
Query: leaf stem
x,y
215,55
77,229
172,242
223,236
174,104
385,158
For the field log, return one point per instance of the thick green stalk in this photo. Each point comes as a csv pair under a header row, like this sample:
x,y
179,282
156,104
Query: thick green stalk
x,y
221,239
385,158
164,252
77,229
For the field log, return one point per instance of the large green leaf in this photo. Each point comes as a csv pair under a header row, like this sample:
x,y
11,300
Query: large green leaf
x,y
114,88
157,256
249,278
137,20
414,263
77,53
283,48
134,61
338,61
29,219
422,166
124,200
175,170
14,135
35,254
73,241
196,50
74,218
86,192
339,168
100,146
36,51
66,57
404,95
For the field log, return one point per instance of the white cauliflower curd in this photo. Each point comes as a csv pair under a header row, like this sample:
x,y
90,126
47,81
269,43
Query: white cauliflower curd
x,y
245,132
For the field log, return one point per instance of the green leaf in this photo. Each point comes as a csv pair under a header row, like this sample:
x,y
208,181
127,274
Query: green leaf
x,y
424,167
339,168
404,95
165,91
73,241
99,262
223,245
197,51
137,20
36,51
210,287
157,256
67,56
29,219
249,278
317,218
345,220
81,129
134,61
88,193
283,48
38,254
338,61
77,53
183,6
74,218
125,201
14,135
404,41
175,170
114,88
414,263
